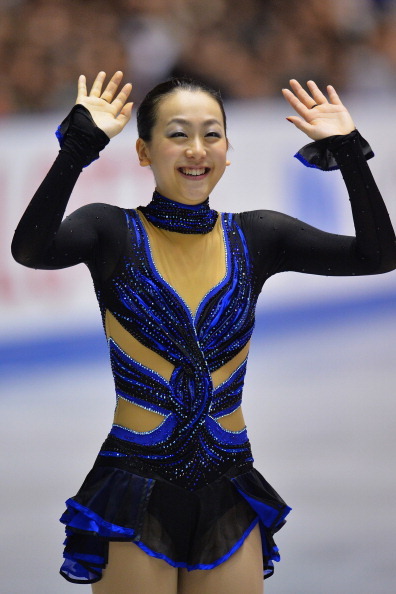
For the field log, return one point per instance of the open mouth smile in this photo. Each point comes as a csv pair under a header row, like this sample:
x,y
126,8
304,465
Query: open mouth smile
x,y
194,172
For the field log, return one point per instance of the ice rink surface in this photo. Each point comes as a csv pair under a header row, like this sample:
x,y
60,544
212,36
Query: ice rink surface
x,y
320,407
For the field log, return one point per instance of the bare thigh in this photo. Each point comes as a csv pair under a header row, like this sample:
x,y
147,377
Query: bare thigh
x,y
242,572
131,571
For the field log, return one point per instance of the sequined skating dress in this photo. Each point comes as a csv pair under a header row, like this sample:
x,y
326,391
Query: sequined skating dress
x,y
184,491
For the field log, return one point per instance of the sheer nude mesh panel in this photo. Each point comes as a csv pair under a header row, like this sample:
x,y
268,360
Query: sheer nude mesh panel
x,y
221,375
136,349
233,421
127,413
192,265
132,416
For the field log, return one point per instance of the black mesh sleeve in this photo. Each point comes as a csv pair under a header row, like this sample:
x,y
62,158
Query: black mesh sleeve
x,y
278,242
93,234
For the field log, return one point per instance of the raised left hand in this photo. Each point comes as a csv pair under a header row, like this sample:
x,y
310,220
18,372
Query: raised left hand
x,y
320,117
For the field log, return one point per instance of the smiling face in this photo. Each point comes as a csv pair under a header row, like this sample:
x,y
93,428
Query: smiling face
x,y
188,148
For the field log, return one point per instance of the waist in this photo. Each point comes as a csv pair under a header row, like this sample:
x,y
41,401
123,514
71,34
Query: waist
x,y
143,419
117,453
189,461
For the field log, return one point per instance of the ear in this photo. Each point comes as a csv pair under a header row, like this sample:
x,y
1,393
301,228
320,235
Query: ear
x,y
228,148
143,153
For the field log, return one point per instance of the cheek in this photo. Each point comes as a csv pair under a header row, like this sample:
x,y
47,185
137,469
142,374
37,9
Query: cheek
x,y
163,164
166,156
221,158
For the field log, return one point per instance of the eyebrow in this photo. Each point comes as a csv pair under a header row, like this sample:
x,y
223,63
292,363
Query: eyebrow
x,y
185,122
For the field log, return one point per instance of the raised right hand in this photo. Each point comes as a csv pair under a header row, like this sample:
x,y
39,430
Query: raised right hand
x,y
109,111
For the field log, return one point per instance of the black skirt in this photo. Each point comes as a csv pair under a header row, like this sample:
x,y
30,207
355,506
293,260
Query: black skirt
x,y
192,529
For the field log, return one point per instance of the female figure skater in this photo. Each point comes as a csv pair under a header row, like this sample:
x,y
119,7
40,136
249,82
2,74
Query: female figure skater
x,y
173,503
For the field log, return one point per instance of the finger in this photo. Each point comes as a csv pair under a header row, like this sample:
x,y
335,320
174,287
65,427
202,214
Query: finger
x,y
296,104
300,124
112,87
301,93
333,96
81,88
96,89
316,92
122,96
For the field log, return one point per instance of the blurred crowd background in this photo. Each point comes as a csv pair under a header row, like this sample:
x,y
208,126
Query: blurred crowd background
x,y
246,49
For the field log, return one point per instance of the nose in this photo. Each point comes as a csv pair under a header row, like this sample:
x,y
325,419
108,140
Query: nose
x,y
196,149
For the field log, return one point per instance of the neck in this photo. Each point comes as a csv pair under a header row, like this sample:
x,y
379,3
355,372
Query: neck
x,y
181,218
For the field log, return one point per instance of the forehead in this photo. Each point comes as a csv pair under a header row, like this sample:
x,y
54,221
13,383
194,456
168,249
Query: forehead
x,y
195,106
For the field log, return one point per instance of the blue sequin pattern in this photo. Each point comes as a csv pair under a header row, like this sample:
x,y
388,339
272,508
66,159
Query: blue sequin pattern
x,y
182,218
190,448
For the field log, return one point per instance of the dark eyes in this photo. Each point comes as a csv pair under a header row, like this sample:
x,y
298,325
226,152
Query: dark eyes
x,y
184,135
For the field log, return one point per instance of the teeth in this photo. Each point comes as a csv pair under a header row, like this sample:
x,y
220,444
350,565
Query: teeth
x,y
193,171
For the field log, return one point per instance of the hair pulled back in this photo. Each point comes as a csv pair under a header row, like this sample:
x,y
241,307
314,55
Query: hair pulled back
x,y
147,113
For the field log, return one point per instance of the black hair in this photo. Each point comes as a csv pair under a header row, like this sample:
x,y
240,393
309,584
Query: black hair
x,y
147,112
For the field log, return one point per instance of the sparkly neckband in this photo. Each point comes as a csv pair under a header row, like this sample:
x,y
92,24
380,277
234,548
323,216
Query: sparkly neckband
x,y
182,218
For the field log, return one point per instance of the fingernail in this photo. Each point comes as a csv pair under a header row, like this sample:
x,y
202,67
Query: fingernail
x,y
289,120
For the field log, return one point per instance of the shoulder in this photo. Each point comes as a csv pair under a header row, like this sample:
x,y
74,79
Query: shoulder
x,y
260,219
99,209
97,214
267,229
102,220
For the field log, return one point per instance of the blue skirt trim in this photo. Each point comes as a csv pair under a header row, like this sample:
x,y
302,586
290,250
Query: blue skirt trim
x,y
185,565
118,505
